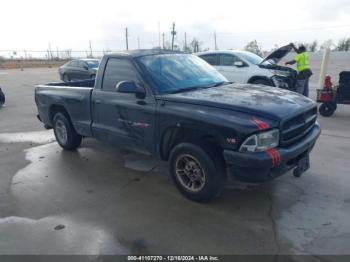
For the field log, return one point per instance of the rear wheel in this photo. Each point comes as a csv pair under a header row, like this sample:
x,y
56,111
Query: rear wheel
x,y
64,131
327,109
197,173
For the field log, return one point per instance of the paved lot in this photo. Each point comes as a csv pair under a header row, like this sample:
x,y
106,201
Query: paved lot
x,y
104,200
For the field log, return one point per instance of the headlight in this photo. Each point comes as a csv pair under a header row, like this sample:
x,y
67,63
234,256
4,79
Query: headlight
x,y
261,142
279,82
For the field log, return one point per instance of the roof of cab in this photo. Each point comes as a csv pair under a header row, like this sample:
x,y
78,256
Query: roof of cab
x,y
143,52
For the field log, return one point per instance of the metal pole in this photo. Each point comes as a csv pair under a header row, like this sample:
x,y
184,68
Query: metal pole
x,y
216,47
324,67
126,38
173,33
90,48
185,42
159,35
163,40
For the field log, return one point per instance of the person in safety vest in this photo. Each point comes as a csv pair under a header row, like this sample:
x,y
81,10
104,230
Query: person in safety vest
x,y
302,59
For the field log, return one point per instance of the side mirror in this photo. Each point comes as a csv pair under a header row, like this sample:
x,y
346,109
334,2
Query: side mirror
x,y
130,87
238,63
86,67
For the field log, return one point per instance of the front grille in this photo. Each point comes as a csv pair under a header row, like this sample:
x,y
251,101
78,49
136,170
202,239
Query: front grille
x,y
297,127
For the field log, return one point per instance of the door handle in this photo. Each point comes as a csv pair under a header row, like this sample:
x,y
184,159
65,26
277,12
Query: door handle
x,y
98,101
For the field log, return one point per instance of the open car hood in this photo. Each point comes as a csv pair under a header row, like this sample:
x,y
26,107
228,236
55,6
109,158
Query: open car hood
x,y
278,54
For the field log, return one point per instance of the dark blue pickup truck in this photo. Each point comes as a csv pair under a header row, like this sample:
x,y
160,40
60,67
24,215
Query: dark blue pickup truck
x,y
179,108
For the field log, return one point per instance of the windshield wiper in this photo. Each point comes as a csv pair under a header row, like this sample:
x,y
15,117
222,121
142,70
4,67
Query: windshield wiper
x,y
193,88
221,83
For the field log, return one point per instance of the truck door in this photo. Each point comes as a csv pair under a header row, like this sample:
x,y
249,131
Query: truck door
x,y
121,118
231,71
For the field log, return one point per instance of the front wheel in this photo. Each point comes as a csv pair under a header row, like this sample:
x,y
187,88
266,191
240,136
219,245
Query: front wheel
x,y
327,109
197,173
64,131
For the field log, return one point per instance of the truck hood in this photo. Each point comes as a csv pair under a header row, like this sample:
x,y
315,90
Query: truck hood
x,y
278,54
265,101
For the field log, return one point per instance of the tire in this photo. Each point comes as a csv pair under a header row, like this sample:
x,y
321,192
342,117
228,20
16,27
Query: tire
x,y
198,173
327,109
262,82
2,98
64,131
65,78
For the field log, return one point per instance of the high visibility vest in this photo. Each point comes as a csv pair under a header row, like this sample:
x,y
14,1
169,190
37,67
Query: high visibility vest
x,y
303,61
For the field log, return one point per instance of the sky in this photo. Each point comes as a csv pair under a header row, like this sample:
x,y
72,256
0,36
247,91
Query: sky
x,y
71,24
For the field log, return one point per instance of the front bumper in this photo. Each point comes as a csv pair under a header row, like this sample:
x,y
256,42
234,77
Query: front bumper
x,y
264,166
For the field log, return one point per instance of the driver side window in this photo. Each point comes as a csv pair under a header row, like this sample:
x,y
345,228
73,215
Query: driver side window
x,y
118,70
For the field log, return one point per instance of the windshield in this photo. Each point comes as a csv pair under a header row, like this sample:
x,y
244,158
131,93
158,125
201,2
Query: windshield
x,y
253,58
174,73
93,63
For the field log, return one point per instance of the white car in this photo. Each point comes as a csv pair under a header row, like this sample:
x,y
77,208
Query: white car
x,y
246,67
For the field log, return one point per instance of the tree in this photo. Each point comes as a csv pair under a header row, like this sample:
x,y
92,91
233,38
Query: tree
x,y
253,47
343,44
313,46
195,45
326,44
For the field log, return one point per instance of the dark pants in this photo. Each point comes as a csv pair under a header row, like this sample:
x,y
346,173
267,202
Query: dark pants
x,y
302,86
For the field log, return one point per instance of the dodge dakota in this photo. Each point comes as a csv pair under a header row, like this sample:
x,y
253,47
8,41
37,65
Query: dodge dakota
x,y
179,108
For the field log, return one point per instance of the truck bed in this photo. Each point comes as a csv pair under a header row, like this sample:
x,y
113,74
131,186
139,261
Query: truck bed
x,y
83,83
74,97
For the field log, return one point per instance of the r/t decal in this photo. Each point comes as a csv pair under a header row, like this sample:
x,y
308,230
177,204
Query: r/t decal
x,y
134,124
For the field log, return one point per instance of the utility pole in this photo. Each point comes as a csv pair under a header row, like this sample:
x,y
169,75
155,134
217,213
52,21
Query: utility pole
x,y
163,40
185,42
173,33
216,47
159,35
138,42
50,52
126,38
90,48
58,55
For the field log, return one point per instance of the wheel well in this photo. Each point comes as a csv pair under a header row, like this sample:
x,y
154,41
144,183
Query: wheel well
x,y
55,109
175,136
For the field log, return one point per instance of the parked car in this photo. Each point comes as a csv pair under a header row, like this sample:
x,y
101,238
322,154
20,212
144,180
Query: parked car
x,y
179,108
79,69
246,67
